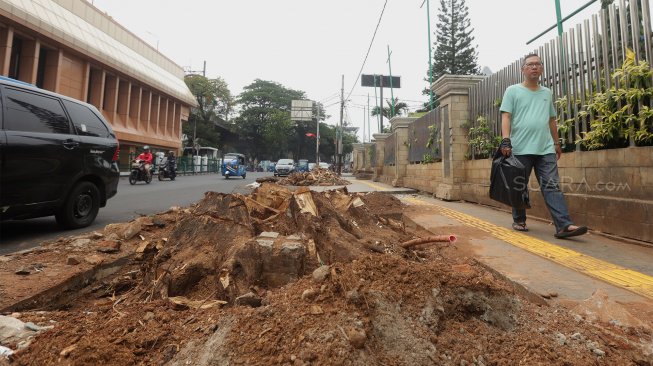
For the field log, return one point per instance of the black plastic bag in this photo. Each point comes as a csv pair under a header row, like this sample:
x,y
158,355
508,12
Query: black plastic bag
x,y
508,181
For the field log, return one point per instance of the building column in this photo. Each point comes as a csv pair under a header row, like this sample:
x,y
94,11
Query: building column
x,y
154,114
163,117
124,91
399,125
135,106
453,95
146,110
52,70
29,61
86,79
379,154
96,96
174,122
6,44
111,98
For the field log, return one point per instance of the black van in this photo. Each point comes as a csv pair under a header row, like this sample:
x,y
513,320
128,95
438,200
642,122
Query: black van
x,y
58,156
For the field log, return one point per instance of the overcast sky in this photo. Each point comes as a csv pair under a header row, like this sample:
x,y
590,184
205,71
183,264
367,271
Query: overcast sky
x,y
307,44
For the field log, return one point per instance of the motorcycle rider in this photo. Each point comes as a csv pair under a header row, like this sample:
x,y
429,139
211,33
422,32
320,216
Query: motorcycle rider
x,y
171,162
146,158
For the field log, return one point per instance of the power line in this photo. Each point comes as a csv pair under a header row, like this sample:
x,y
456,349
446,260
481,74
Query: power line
x,y
368,49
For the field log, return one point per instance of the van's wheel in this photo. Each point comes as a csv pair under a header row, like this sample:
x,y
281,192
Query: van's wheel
x,y
80,208
160,176
244,175
133,177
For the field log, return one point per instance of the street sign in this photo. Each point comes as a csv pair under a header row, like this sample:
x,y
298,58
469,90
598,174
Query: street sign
x,y
301,110
368,80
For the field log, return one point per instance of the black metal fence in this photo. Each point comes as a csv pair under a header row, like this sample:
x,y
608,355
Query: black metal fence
x,y
424,138
389,150
577,65
186,165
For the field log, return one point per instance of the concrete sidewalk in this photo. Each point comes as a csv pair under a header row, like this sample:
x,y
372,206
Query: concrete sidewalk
x,y
572,269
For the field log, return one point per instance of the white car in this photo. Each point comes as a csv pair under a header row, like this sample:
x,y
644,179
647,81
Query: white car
x,y
324,165
284,167
311,166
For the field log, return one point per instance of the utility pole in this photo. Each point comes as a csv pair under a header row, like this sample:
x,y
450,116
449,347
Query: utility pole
x,y
428,25
364,123
381,106
369,132
339,134
196,147
392,94
317,138
376,101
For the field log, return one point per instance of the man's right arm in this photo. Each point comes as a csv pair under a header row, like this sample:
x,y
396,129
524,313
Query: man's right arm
x,y
506,147
505,124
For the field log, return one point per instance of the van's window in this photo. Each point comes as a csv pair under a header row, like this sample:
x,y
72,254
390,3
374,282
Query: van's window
x,y
32,112
85,121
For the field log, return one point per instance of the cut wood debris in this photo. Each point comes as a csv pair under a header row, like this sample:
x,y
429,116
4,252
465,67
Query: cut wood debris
x,y
289,277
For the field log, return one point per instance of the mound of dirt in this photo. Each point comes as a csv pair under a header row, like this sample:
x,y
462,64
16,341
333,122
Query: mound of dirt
x,y
316,177
307,278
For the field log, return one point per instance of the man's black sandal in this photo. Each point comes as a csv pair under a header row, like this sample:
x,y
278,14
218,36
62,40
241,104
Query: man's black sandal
x,y
569,233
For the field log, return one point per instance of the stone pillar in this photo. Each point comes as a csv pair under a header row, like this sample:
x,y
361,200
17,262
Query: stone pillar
x,y
379,152
453,95
399,125
367,159
358,157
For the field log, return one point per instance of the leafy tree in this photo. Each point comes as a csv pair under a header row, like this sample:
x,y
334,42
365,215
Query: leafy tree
x,y
387,111
215,103
278,133
262,103
454,53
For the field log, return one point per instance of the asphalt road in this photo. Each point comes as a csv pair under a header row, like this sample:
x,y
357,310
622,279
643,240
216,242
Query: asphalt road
x,y
131,201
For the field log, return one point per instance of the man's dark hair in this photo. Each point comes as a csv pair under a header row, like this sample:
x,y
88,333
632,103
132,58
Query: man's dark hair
x,y
532,54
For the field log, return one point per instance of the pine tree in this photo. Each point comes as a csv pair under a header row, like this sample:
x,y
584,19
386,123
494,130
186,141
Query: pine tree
x,y
454,53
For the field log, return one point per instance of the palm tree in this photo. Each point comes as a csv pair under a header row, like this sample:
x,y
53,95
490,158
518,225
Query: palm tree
x,y
387,112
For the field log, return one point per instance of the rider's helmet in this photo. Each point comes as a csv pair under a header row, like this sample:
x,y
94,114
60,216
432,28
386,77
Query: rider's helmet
x,y
146,148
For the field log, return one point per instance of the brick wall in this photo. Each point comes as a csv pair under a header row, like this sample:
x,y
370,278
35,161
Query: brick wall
x,y
608,190
423,177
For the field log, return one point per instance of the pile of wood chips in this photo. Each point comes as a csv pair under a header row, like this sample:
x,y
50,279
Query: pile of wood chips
x,y
316,177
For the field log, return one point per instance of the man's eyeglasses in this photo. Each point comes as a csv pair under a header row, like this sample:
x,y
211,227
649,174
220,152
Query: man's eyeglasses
x,y
533,65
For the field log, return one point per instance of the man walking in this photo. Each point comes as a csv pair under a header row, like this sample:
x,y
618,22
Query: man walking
x,y
530,133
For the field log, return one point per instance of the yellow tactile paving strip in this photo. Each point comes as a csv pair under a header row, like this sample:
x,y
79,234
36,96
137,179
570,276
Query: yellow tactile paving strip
x,y
636,282
375,186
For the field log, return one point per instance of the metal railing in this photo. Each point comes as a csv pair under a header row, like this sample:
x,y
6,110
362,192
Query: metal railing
x,y
186,165
424,138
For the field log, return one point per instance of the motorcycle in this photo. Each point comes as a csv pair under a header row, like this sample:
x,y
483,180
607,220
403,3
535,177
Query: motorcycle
x,y
138,173
167,170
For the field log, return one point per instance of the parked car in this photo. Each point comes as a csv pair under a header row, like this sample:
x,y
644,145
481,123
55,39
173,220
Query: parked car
x,y
58,156
311,166
324,165
284,167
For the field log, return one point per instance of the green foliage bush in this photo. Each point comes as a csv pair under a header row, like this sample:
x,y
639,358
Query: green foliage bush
x,y
621,113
